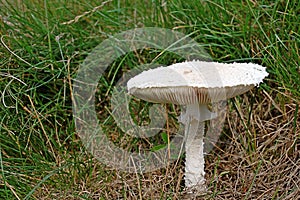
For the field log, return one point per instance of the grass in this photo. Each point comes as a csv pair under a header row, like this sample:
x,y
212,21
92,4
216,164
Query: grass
x,y
43,45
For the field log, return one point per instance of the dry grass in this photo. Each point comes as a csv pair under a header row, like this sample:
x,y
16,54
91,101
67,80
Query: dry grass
x,y
257,157
261,159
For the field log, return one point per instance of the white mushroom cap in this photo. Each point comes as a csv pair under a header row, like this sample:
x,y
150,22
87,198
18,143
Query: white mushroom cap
x,y
196,82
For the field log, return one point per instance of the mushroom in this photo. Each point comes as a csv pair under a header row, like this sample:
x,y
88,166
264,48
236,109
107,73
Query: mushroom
x,y
195,84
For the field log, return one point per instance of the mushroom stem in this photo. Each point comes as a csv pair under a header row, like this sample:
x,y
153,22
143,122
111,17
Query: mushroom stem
x,y
194,163
193,119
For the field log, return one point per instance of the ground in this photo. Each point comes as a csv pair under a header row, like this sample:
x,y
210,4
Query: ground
x,y
43,44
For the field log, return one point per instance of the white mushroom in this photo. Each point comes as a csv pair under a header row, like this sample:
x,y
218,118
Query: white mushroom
x,y
195,84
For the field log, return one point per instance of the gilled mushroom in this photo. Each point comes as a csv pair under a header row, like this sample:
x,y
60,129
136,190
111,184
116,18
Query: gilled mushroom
x,y
195,84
